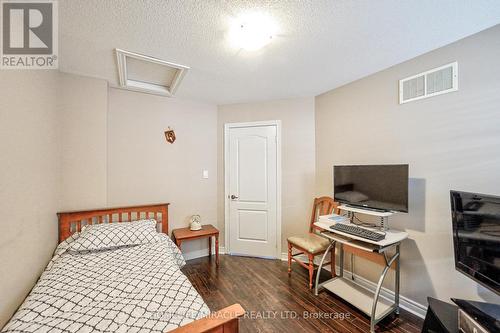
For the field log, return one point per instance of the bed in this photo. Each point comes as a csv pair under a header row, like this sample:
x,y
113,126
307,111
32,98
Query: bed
x,y
134,287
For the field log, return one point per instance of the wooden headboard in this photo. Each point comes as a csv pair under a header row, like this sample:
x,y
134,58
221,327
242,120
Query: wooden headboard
x,y
71,222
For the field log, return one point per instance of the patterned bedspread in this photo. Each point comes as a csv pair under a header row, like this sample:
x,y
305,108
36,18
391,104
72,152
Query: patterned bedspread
x,y
131,289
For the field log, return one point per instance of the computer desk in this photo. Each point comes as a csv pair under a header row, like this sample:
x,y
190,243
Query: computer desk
x,y
365,300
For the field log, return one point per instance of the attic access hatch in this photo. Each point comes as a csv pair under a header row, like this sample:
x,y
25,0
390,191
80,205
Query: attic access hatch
x,y
147,74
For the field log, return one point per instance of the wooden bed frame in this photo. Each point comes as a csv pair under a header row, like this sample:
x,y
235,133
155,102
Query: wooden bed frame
x,y
222,321
71,222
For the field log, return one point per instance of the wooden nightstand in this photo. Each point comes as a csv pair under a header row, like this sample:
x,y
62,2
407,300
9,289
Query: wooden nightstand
x,y
207,231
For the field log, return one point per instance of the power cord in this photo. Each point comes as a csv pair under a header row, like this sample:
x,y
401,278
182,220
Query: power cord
x,y
362,223
366,224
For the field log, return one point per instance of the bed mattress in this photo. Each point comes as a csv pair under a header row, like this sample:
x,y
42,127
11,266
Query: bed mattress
x,y
129,289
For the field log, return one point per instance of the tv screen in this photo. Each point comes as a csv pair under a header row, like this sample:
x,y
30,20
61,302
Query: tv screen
x,y
380,187
476,236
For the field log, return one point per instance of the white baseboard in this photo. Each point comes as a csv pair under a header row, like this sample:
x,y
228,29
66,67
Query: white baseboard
x,y
201,253
404,302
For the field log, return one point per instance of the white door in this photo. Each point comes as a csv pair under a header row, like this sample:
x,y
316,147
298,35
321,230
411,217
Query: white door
x,y
252,187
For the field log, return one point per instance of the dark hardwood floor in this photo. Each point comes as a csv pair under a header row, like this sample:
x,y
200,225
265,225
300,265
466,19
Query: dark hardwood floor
x,y
276,302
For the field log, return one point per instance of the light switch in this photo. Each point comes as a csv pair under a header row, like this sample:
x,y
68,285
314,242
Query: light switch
x,y
205,174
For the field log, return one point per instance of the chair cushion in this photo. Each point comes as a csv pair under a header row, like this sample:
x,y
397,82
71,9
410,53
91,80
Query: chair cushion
x,y
312,243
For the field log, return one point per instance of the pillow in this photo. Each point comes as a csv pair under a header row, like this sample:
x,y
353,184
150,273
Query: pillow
x,y
112,235
351,196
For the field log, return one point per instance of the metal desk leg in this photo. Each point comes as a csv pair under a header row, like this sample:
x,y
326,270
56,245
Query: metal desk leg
x,y
388,264
352,267
332,243
341,264
396,289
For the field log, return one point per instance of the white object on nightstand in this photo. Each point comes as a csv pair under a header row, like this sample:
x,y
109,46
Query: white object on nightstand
x,y
195,223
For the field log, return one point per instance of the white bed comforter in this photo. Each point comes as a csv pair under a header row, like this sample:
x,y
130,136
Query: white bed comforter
x,y
132,289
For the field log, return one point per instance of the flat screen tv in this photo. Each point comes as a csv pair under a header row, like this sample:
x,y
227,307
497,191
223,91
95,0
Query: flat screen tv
x,y
378,187
476,236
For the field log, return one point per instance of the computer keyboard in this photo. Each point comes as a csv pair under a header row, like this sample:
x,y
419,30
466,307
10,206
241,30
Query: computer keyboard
x,y
357,231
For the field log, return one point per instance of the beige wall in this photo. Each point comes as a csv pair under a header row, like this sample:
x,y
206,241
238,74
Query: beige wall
x,y
144,168
297,120
29,182
53,140
82,104
450,142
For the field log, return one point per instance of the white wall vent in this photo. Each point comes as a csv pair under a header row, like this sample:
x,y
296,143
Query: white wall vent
x,y
434,82
147,74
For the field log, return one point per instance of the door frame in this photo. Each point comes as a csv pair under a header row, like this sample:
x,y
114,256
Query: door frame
x,y
227,127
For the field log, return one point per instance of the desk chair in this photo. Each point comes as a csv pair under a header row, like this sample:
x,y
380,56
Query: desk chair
x,y
311,244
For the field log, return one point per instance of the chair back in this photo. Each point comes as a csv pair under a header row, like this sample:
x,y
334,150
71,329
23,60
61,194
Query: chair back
x,y
322,206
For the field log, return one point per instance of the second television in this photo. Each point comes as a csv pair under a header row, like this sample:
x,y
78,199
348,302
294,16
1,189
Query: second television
x,y
378,187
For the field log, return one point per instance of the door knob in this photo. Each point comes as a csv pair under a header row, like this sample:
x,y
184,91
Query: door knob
x,y
233,197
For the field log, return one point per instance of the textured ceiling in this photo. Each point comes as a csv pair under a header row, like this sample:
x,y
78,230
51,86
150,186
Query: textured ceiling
x,y
322,44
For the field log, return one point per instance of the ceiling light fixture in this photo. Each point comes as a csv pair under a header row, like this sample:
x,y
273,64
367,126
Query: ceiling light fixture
x,y
252,31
